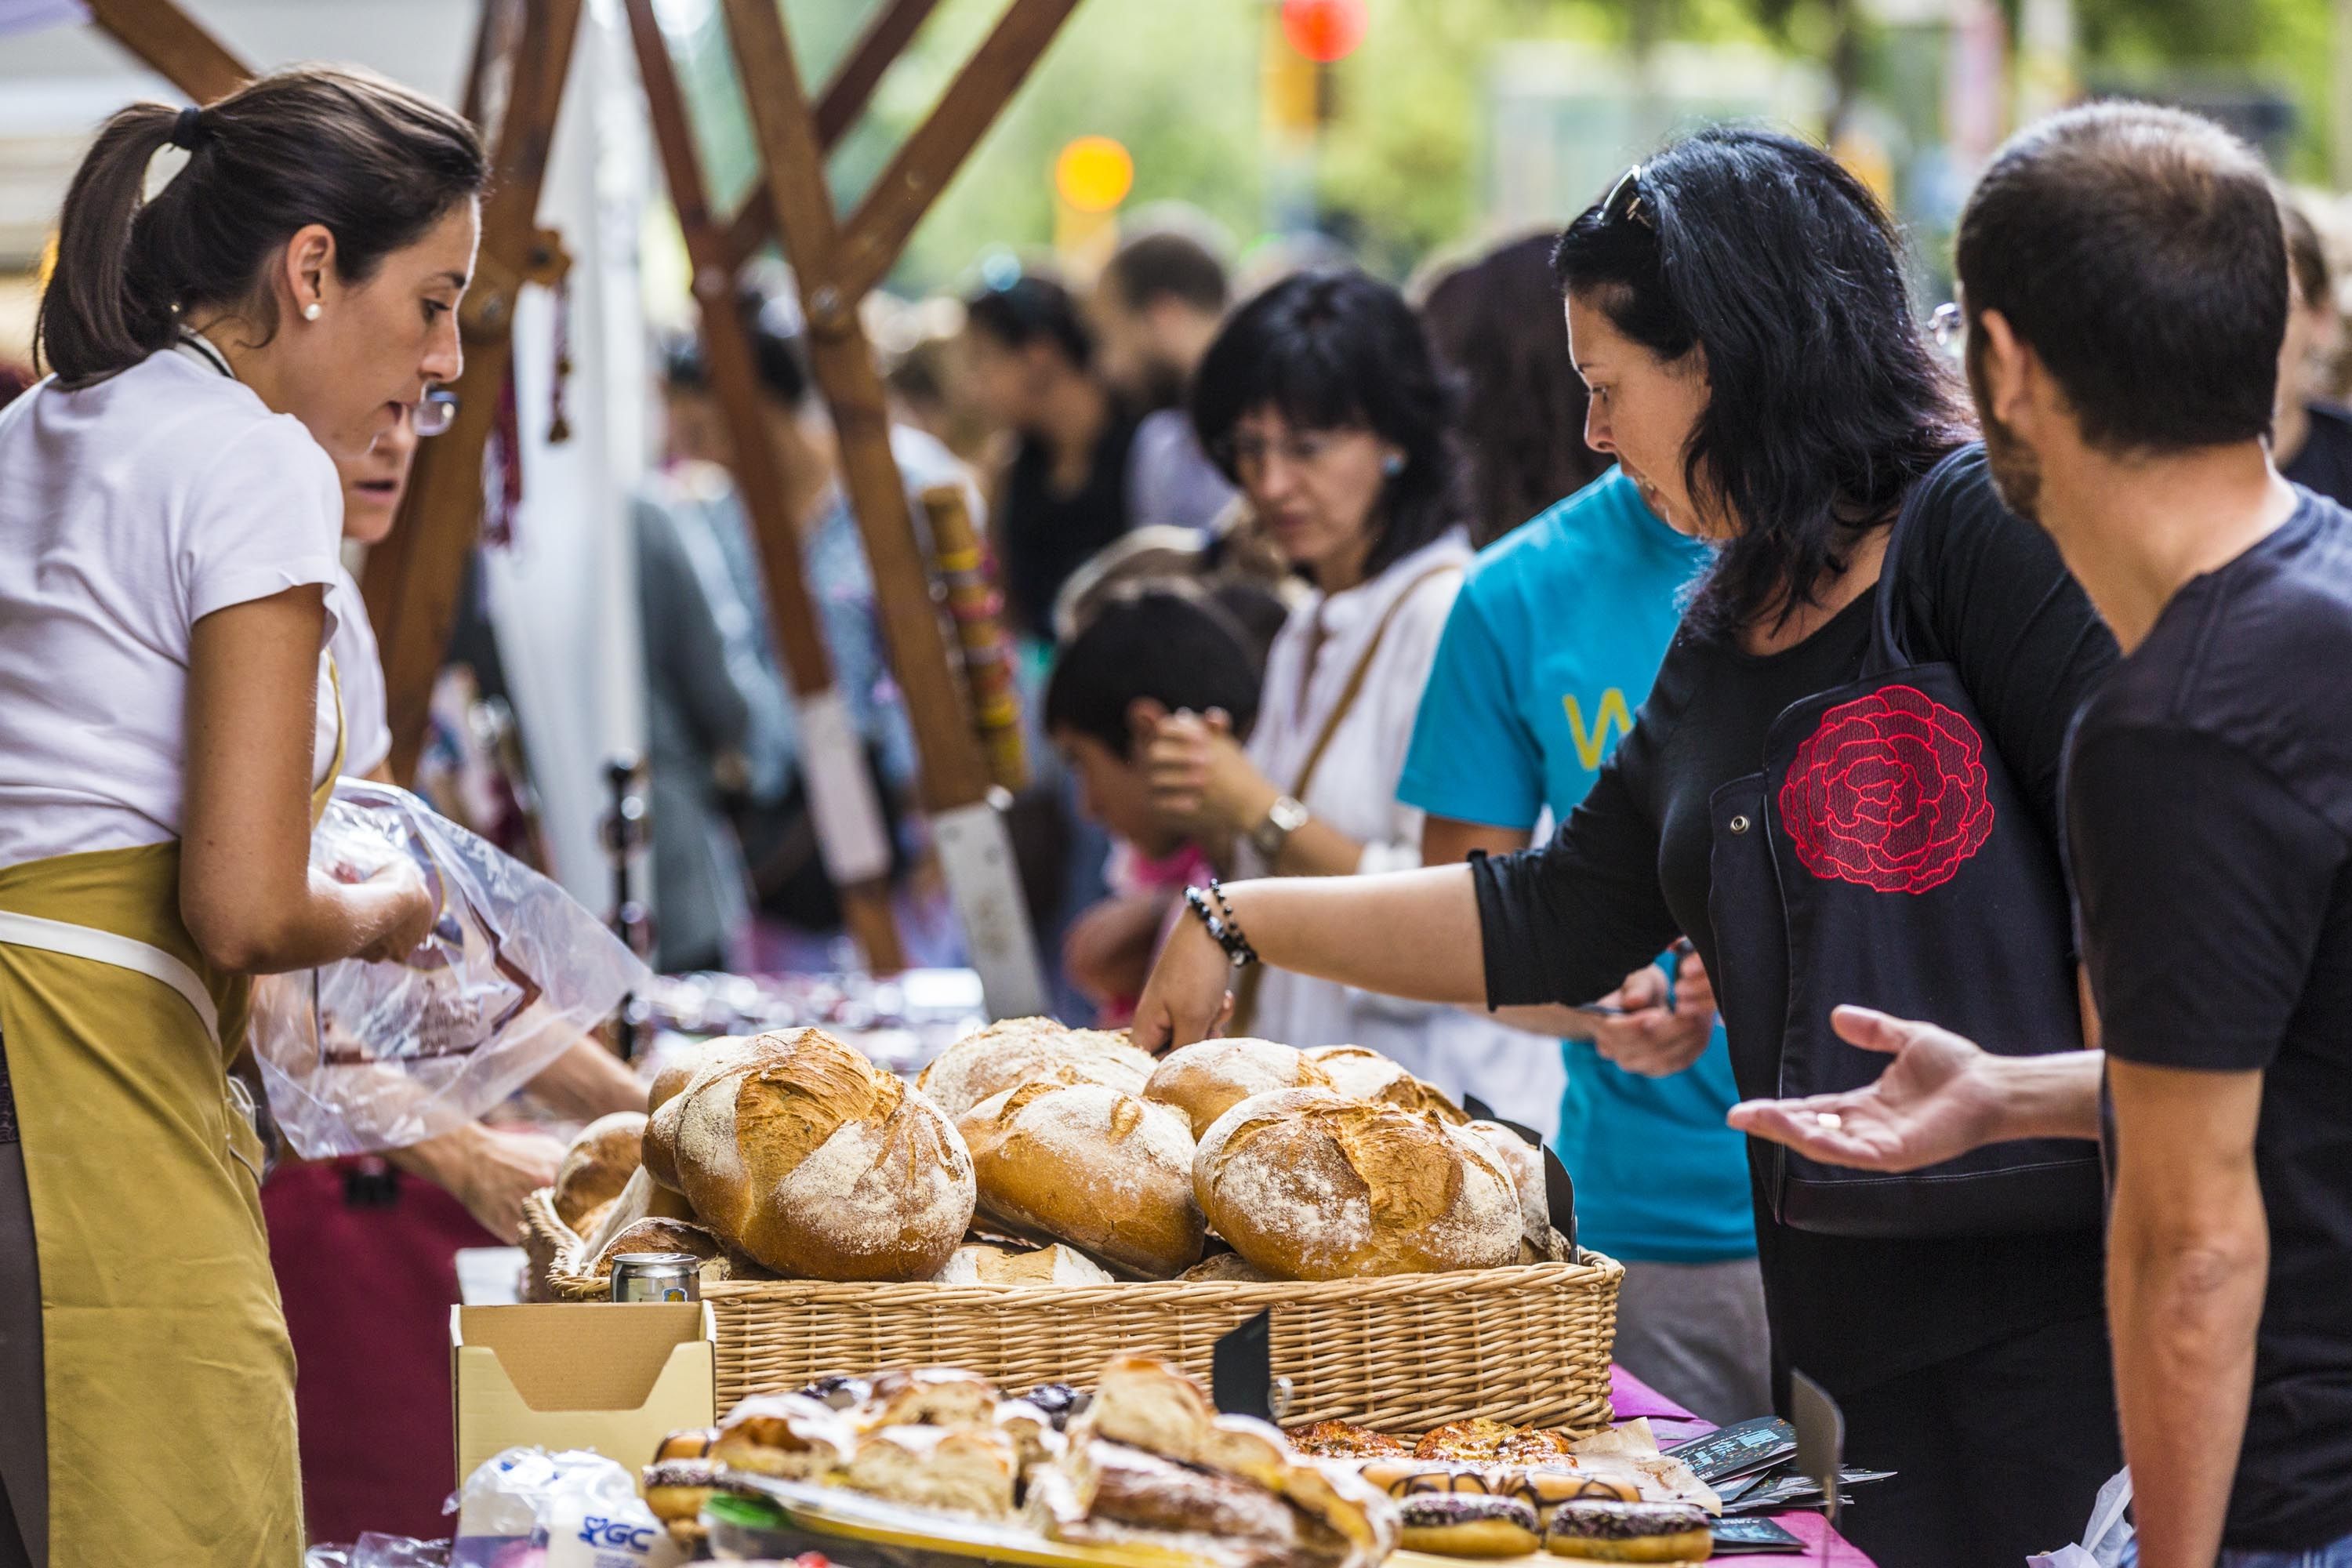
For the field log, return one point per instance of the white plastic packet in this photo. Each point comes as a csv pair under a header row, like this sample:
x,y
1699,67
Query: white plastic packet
x,y
360,1057
526,1507
2103,1544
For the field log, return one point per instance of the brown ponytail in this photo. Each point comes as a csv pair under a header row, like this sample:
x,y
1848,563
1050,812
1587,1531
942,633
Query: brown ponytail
x,y
375,163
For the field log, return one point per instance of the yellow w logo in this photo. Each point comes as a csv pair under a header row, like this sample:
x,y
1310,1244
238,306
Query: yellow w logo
x,y
1592,746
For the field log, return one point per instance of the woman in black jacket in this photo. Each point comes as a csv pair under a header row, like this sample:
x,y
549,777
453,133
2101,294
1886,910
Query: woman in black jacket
x,y
1736,307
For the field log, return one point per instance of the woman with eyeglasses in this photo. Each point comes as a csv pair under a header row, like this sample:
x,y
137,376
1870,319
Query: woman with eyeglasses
x,y
169,514
1321,401
1842,788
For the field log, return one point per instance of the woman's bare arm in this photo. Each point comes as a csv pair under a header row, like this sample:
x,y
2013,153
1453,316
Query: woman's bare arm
x,y
246,889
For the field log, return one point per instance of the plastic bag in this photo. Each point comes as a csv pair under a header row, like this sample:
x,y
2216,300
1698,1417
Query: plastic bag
x,y
526,1507
360,1057
2108,1544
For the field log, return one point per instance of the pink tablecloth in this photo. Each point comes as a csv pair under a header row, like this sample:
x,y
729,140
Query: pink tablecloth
x,y
1672,1424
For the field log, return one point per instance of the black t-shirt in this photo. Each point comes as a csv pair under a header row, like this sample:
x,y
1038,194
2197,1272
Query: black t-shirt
x,y
1046,535
2324,463
2208,819
1629,869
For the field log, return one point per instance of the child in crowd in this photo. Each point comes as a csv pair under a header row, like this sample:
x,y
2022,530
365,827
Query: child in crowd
x,y
1150,649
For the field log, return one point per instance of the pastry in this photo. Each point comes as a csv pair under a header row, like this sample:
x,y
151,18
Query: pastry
x,y
1344,1440
954,1470
802,1154
1464,1524
1540,1488
1362,1073
1477,1438
597,1165
927,1396
1091,1164
1630,1532
1204,1080
1310,1185
1016,1051
675,1490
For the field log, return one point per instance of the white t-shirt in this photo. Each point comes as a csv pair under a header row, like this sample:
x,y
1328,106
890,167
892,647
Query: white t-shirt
x,y
367,726
129,510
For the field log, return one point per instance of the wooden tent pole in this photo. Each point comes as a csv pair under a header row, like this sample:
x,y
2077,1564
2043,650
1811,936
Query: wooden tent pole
x,y
852,836
173,44
834,267
412,578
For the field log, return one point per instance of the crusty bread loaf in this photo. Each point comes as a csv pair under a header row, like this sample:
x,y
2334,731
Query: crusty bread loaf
x,y
670,1085
1093,1166
659,1236
1309,1185
1362,1073
1206,1079
1524,1162
817,1164
1228,1268
598,1164
1018,1051
978,1263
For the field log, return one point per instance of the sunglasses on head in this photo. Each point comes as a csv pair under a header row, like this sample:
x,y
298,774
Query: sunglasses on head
x,y
1625,200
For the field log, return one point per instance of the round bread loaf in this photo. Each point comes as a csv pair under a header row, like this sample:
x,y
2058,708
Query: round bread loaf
x,y
1362,1073
1018,1051
815,1162
658,1236
671,1083
1309,1185
1630,1532
1092,1165
1227,1268
598,1164
1464,1524
1207,1079
1525,1164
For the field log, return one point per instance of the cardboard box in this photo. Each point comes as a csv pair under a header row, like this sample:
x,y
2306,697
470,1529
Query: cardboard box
x,y
612,1377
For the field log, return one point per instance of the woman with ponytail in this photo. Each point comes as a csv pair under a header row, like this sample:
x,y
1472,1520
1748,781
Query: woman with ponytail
x,y
169,515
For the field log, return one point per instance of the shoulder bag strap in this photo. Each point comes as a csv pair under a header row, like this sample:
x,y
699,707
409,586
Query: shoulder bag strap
x,y
1245,989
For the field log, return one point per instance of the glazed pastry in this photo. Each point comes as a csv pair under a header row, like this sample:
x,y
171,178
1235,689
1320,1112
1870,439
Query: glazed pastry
x,y
1464,1525
1478,1439
1538,1489
1630,1532
1344,1440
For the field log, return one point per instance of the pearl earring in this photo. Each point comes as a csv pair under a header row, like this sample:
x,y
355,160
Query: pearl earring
x,y
310,311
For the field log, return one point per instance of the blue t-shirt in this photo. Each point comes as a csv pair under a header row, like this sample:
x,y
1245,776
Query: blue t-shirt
x,y
1552,645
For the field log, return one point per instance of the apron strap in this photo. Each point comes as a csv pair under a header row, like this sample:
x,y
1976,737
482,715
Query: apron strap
x,y
121,952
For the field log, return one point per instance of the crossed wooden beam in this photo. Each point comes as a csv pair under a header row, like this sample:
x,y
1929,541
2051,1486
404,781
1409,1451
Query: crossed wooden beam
x,y
413,579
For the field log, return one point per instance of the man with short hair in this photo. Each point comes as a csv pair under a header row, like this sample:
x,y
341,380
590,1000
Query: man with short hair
x,y
1157,307
2126,285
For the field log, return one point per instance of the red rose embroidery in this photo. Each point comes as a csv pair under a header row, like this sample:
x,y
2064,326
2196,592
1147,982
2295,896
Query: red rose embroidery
x,y
1889,791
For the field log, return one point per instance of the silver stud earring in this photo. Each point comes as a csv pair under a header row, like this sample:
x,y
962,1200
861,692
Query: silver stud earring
x,y
310,311
1392,465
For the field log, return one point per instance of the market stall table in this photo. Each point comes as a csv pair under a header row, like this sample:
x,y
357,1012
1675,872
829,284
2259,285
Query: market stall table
x,y
1673,1424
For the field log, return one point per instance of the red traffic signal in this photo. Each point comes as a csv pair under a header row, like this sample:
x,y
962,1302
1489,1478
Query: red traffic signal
x,y
1324,30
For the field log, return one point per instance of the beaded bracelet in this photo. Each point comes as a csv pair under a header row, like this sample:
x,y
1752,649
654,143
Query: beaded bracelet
x,y
1225,932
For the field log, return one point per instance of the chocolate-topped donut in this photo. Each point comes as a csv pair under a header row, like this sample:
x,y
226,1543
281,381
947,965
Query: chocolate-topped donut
x,y
1630,1532
1468,1524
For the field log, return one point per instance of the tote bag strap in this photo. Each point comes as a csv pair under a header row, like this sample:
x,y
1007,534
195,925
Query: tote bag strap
x,y
1887,651
1245,989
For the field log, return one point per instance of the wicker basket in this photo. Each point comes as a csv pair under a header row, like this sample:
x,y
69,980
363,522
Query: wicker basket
x,y
1403,1352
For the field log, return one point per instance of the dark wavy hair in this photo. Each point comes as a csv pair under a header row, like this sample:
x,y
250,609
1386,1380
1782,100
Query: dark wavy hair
x,y
1333,351
1497,322
1029,308
1826,402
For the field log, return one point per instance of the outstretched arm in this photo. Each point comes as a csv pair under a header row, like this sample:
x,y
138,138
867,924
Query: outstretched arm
x,y
1939,1097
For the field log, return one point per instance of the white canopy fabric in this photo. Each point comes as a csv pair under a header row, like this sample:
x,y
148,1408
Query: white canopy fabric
x,y
29,16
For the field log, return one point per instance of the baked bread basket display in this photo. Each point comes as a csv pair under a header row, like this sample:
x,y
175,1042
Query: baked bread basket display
x,y
1042,1201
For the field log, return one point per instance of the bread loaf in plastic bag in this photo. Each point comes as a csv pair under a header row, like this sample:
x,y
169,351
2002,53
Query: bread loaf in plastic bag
x,y
360,1057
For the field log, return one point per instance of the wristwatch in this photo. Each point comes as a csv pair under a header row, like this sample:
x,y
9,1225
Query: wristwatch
x,y
1282,819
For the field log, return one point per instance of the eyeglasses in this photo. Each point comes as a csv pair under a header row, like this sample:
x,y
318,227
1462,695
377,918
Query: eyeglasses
x,y
1624,201
1247,453
1949,327
436,413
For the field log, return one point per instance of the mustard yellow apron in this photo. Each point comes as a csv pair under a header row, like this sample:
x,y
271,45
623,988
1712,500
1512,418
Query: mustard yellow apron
x,y
168,1376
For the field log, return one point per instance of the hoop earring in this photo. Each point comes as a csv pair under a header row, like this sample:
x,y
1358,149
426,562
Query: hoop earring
x,y
310,311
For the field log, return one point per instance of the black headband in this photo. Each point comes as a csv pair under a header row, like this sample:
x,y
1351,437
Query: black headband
x,y
185,130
